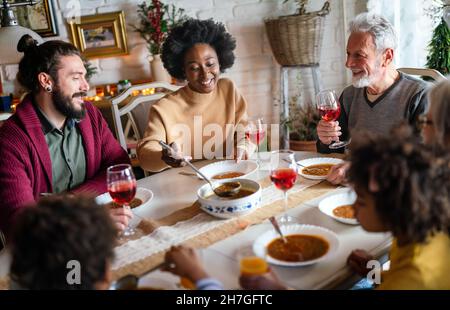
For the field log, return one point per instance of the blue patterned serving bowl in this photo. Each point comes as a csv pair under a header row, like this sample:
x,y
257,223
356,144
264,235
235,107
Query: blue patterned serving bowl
x,y
230,207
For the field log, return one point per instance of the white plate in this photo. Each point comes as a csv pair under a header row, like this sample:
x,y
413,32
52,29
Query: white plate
x,y
316,161
244,166
260,245
143,194
327,205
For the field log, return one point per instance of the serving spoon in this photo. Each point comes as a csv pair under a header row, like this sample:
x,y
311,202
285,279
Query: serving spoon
x,y
275,225
226,189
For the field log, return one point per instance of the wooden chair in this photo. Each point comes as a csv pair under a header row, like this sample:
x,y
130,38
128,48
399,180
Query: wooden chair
x,y
434,74
136,110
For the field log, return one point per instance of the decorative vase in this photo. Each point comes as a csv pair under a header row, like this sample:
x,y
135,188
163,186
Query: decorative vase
x,y
159,73
307,146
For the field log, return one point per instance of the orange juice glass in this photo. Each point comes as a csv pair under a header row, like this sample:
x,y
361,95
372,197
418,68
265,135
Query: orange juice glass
x,y
253,265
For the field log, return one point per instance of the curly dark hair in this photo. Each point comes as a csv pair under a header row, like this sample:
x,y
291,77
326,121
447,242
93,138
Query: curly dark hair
x,y
57,230
42,58
413,181
191,32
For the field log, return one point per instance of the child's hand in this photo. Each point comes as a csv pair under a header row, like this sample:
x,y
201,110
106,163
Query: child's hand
x,y
268,281
184,262
338,173
358,262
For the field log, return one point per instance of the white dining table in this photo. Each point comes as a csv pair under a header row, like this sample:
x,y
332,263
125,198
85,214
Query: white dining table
x,y
174,191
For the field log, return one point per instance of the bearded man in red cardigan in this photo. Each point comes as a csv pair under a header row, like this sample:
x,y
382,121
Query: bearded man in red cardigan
x,y
55,142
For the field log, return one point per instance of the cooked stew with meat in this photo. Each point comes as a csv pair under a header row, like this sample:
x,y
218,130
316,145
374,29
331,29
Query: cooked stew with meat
x,y
228,175
317,170
298,248
240,194
346,211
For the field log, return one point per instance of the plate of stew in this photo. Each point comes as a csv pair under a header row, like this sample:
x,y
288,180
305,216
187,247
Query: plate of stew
x,y
306,245
317,168
340,207
229,169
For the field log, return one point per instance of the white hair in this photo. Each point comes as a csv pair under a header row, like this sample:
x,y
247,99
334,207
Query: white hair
x,y
380,28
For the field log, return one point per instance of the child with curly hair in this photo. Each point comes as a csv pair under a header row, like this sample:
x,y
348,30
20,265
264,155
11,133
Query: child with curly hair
x,y
59,230
403,188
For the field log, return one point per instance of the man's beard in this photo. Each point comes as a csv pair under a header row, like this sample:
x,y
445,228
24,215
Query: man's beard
x,y
65,105
366,79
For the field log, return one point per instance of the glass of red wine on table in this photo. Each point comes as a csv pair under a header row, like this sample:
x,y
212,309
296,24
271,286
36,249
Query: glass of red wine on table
x,y
256,133
122,188
283,174
330,109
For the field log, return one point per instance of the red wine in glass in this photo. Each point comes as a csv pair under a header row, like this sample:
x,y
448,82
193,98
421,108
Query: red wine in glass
x,y
329,114
330,109
122,191
283,174
283,178
256,136
121,184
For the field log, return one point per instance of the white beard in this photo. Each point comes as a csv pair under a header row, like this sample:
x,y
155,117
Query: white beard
x,y
360,82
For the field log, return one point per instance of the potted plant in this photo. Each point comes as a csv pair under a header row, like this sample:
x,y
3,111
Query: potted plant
x,y
297,39
156,21
302,125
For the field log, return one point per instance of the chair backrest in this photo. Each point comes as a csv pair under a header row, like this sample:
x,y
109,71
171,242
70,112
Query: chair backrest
x,y
137,108
434,74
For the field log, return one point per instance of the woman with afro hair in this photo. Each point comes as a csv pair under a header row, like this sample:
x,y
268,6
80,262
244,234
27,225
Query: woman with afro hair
x,y
205,118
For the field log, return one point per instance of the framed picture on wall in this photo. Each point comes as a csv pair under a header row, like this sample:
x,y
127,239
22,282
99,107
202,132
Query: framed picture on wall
x,y
39,17
100,35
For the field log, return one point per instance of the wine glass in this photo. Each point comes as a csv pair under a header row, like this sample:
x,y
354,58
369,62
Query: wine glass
x,y
330,109
122,188
283,174
256,133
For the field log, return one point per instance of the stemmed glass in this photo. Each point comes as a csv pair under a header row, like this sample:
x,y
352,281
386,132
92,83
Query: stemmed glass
x,y
256,133
330,109
283,173
122,188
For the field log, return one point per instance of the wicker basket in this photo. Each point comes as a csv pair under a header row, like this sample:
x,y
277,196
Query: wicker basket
x,y
297,39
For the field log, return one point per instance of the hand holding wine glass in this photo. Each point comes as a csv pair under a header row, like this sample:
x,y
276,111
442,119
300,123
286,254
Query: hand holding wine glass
x,y
283,173
122,188
255,132
329,109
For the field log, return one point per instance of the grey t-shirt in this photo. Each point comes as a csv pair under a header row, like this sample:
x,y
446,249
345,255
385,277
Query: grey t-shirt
x,y
405,99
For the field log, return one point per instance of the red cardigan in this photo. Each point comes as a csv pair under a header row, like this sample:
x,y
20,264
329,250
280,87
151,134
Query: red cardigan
x,y
25,164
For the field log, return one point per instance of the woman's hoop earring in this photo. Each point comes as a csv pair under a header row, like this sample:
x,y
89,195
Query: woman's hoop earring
x,y
48,88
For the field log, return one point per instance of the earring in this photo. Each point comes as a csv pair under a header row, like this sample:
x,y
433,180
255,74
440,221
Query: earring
x,y
48,88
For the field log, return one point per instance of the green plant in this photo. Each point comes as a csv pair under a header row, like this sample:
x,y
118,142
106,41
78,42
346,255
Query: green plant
x,y
302,122
439,49
90,69
156,21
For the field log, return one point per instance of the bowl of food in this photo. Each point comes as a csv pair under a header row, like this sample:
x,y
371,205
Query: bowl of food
x,y
317,168
306,245
340,207
246,200
229,169
140,201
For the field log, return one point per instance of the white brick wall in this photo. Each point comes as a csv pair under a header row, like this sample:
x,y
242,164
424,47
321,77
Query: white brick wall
x,y
255,71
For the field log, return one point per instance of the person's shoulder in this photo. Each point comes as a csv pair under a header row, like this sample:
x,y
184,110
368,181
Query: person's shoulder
x,y
413,83
351,91
226,83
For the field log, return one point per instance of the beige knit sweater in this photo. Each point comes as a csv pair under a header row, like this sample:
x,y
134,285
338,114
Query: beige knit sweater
x,y
205,126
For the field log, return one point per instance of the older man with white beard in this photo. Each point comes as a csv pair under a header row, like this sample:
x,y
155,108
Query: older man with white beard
x,y
380,97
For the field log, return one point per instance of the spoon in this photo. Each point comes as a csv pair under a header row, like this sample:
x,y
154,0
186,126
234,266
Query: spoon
x,y
225,189
128,282
277,228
